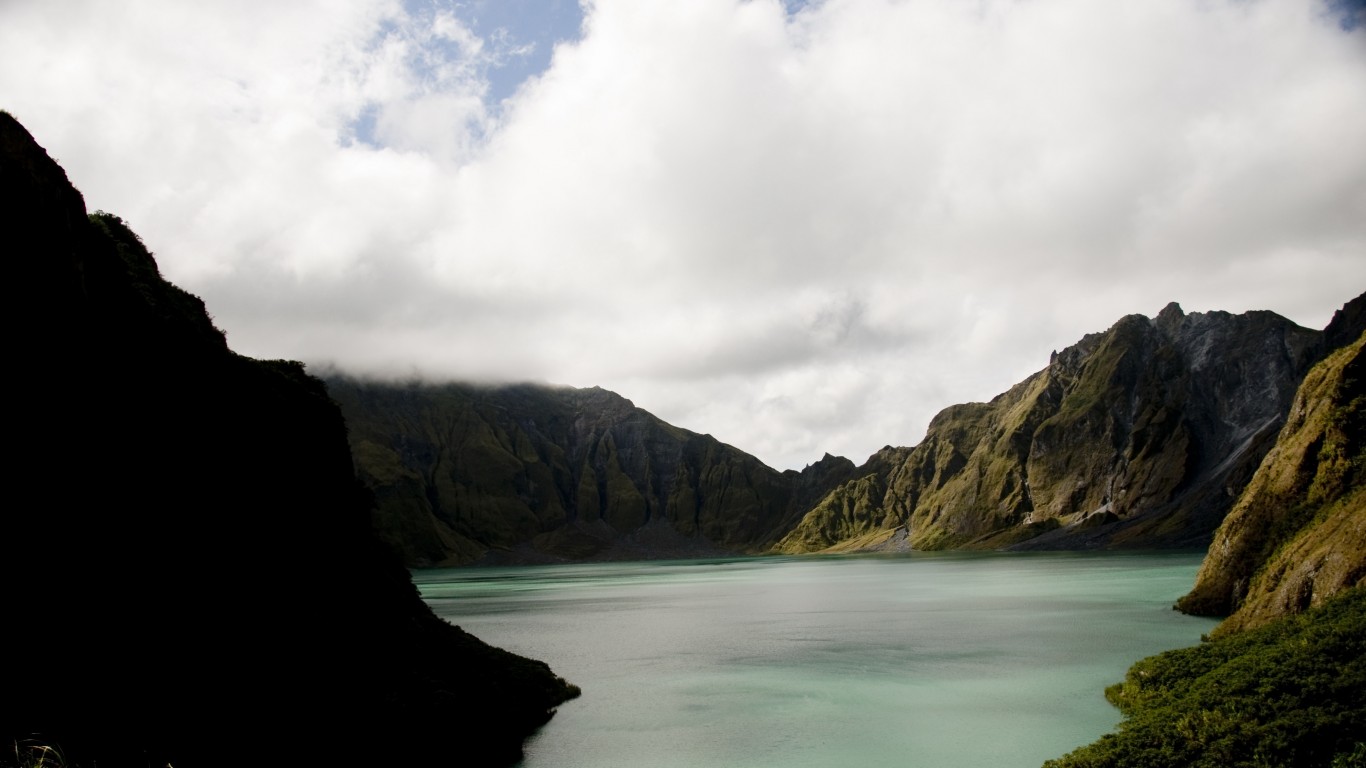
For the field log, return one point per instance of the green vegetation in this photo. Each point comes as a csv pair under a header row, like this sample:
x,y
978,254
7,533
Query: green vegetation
x,y
463,473
1292,693
1295,537
847,517
1283,682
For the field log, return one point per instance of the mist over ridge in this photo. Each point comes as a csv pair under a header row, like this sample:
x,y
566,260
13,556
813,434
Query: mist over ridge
x,y
1136,437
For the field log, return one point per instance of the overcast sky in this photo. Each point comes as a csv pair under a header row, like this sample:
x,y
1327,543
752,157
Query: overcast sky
x,y
800,227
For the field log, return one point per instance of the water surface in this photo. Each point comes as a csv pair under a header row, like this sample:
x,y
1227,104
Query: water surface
x,y
935,660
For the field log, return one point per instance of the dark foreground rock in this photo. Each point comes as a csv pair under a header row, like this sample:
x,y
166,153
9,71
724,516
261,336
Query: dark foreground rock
x,y
187,566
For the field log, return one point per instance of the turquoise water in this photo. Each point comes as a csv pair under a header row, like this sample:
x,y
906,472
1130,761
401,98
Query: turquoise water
x,y
934,660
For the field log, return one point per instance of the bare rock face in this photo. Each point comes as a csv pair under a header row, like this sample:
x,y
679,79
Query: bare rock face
x,y
524,473
1136,437
1297,535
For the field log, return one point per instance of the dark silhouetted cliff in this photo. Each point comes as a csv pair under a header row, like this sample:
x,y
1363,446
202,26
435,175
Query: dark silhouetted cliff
x,y
189,574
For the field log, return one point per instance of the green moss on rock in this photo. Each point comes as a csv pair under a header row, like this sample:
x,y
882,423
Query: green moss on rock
x,y
1298,532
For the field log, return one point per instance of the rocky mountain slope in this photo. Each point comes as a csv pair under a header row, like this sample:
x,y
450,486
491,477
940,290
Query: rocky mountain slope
x,y
1297,535
1281,681
464,473
186,561
1135,437
1140,436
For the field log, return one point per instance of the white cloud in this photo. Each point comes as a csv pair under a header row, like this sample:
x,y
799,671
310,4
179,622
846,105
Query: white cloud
x,y
799,232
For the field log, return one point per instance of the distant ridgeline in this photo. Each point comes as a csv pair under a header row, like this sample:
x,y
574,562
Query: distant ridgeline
x,y
187,566
1138,437
464,473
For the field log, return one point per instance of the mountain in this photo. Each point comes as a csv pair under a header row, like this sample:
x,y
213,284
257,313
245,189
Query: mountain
x,y
1282,680
465,473
1140,436
1297,535
1135,437
186,561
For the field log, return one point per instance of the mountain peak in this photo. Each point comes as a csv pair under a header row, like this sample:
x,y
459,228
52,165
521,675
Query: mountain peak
x,y
1171,315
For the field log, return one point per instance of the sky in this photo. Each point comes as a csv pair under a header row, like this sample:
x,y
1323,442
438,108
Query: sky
x,y
801,227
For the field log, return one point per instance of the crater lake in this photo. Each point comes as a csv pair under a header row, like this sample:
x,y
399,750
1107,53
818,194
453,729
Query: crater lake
x,y
941,660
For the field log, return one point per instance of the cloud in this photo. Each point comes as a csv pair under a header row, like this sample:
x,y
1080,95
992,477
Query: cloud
x,y
799,227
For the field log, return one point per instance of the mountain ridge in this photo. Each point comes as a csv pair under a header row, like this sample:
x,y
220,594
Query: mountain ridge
x,y
527,473
1137,436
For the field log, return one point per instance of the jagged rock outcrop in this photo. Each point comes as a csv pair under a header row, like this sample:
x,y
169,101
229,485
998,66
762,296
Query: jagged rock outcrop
x,y
1135,437
186,561
1297,535
466,473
